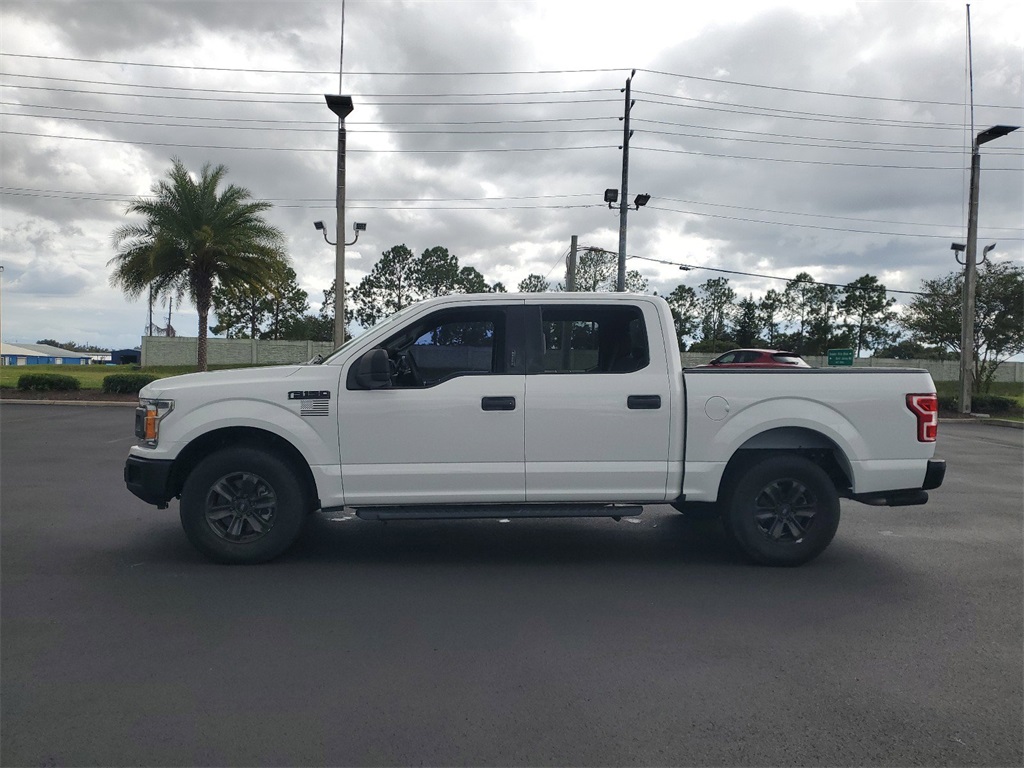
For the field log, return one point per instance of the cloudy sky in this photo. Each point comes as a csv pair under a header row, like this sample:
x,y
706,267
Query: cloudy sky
x,y
773,137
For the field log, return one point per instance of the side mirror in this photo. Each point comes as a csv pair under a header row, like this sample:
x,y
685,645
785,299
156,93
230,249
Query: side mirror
x,y
373,370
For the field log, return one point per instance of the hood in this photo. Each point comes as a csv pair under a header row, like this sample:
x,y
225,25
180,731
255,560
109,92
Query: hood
x,y
234,378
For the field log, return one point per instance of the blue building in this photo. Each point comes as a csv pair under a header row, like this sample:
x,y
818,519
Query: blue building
x,y
40,354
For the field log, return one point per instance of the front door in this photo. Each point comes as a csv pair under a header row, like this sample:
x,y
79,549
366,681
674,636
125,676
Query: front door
x,y
450,429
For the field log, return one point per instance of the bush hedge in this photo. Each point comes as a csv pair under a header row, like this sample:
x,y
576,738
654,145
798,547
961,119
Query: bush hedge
x,y
126,383
980,404
48,382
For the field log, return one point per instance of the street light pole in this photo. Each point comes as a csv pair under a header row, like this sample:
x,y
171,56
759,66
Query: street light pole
x,y
342,107
967,351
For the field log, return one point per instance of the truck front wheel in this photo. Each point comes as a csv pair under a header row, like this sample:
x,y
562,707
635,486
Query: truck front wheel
x,y
242,505
783,511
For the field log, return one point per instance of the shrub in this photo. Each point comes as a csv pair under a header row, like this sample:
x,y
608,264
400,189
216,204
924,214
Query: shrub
x,y
992,404
980,404
126,383
48,382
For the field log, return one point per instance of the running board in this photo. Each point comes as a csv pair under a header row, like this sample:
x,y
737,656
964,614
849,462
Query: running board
x,y
474,511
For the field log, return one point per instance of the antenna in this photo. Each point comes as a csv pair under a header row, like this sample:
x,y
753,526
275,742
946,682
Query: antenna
x,y
970,67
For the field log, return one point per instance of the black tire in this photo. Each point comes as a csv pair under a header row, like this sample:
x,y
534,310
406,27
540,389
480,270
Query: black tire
x,y
242,505
783,511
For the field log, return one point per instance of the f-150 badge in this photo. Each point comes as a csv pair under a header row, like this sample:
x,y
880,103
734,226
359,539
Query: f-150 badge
x,y
310,395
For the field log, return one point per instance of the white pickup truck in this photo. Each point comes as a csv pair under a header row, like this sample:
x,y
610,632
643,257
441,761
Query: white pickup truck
x,y
530,405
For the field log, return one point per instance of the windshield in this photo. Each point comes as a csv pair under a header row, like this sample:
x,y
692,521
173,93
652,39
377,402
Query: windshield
x,y
385,323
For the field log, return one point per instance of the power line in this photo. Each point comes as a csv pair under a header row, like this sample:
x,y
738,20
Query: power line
x,y
333,123
789,114
318,100
814,215
645,121
367,203
332,130
561,91
718,81
460,150
561,260
596,70
315,71
688,267
801,161
810,226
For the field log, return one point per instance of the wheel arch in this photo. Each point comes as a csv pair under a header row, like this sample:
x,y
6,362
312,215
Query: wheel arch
x,y
812,445
249,437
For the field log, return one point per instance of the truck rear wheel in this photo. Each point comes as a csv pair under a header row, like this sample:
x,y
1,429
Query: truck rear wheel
x,y
242,505
783,511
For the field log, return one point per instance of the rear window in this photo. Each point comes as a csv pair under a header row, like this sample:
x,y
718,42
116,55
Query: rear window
x,y
789,359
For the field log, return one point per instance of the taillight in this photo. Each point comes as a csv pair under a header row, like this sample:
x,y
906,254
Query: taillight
x,y
926,408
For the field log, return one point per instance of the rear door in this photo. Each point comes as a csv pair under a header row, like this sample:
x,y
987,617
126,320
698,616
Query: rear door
x,y
597,404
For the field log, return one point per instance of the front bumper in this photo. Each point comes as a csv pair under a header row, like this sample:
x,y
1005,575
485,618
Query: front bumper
x,y
149,479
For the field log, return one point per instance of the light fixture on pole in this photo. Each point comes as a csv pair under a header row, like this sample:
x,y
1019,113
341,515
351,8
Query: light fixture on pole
x,y
611,196
967,350
641,200
342,107
357,228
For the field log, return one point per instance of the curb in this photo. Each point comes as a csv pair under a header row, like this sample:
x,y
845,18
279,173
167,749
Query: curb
x,y
88,403
986,421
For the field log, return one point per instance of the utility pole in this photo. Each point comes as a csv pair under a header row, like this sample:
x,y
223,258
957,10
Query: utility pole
x,y
967,350
342,107
570,285
620,283
570,265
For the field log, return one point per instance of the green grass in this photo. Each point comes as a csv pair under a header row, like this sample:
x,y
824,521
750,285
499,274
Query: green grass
x,y
91,376
1014,391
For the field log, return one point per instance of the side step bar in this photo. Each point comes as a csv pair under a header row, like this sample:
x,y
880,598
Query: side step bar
x,y
475,511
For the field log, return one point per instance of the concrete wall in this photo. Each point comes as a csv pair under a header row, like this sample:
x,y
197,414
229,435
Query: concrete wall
x,y
182,350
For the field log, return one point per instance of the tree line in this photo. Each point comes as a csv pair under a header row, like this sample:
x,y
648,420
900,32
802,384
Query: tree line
x,y
215,247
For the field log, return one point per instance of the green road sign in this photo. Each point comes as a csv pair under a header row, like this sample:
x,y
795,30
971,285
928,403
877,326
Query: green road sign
x,y
840,357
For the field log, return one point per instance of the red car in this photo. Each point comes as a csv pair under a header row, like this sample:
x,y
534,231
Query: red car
x,y
757,358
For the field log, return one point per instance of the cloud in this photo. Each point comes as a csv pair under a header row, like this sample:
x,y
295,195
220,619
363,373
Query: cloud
x,y
772,138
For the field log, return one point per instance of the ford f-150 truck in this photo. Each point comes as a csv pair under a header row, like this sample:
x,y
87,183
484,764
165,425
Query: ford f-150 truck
x,y
530,405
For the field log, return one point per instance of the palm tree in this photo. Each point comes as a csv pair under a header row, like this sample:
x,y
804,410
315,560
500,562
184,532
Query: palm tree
x,y
194,238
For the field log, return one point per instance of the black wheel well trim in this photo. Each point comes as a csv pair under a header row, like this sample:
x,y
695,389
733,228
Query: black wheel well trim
x,y
249,437
828,456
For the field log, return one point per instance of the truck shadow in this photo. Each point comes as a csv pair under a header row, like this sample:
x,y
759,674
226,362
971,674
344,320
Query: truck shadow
x,y
646,539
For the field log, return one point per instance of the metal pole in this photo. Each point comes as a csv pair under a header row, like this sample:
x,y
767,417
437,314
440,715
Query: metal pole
x,y
620,283
339,243
970,288
570,271
342,107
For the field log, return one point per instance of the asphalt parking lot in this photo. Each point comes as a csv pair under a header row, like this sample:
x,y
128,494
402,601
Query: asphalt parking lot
x,y
543,642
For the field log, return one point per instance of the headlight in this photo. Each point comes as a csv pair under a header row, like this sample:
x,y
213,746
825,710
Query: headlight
x,y
148,416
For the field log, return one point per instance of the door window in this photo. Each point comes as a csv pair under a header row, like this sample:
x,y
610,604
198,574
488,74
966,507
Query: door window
x,y
594,339
446,344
